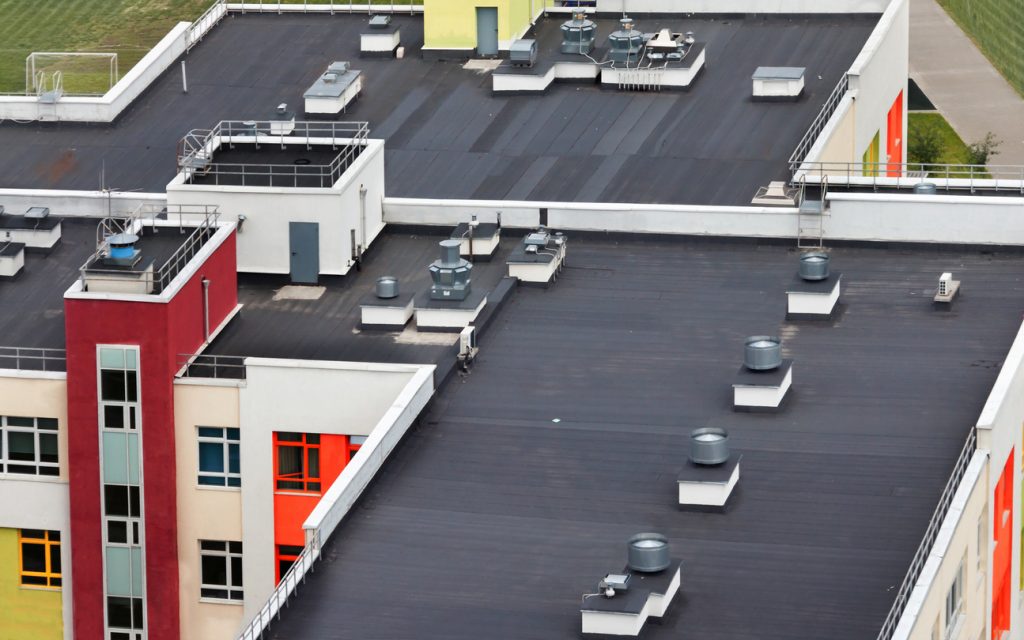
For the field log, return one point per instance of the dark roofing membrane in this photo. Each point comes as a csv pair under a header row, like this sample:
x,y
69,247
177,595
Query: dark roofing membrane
x,y
518,490
448,137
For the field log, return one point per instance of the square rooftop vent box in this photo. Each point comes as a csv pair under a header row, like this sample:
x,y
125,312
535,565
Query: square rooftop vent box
x,y
380,22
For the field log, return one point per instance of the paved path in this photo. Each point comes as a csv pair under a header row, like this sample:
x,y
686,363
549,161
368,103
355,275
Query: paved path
x,y
962,84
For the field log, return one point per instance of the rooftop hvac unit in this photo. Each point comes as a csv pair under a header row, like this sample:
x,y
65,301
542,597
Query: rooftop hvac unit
x,y
523,53
648,553
709,446
814,266
121,250
387,287
626,43
945,284
762,353
451,274
578,34
467,347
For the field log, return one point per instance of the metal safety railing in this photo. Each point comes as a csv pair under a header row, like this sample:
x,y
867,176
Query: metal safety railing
x,y
925,548
906,175
278,6
33,359
197,151
154,280
202,25
193,365
295,576
819,122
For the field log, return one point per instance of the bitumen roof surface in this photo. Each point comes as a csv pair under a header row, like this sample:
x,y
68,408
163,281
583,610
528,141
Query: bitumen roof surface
x,y
517,491
447,136
32,302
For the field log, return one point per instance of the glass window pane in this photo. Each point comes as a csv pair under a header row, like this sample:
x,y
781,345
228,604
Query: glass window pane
x,y
215,570
111,358
54,558
35,534
115,498
133,497
236,572
113,417
34,580
291,485
133,458
49,424
115,458
234,464
314,463
288,550
211,432
119,577
283,566
235,547
233,434
312,438
131,386
136,571
33,557
112,385
312,486
117,531
48,447
21,446
234,482
54,535
289,461
16,421
211,457
214,593
130,360
285,436
211,481
212,545
357,440
137,619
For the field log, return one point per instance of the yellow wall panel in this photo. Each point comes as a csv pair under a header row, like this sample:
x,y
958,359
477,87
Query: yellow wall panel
x,y
451,24
25,612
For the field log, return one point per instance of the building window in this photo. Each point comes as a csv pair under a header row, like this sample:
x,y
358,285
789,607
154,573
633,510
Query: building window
x,y
40,558
297,463
221,564
982,547
124,618
218,457
286,557
354,444
119,388
29,446
955,601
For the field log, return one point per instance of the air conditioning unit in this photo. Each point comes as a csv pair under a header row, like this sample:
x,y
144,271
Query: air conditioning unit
x,y
945,284
467,347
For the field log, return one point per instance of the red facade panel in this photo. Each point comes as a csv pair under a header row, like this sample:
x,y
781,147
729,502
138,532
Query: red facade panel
x,y
161,331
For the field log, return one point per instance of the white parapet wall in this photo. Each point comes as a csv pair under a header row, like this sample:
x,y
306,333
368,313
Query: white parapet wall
x,y
90,204
742,6
105,108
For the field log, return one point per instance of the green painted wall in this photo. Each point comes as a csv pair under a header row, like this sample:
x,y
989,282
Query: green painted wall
x,y
996,27
451,24
25,613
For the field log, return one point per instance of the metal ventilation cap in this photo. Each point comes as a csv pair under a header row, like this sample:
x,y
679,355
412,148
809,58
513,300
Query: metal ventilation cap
x,y
814,265
709,446
762,353
927,188
387,287
648,553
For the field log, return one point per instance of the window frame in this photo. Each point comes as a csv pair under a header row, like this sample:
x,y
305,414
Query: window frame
x,y
48,574
235,594
225,442
954,603
304,478
37,463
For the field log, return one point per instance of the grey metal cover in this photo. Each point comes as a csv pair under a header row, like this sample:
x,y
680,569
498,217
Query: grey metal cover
x,y
387,287
778,73
709,446
380,22
578,34
927,188
451,275
523,51
333,82
35,213
648,553
762,353
814,265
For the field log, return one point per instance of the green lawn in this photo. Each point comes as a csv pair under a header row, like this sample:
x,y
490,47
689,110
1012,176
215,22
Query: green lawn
x,y
952,149
997,27
128,27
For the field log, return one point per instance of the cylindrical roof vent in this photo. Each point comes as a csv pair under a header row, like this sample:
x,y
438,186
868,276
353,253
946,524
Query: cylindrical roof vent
x,y
709,446
648,553
926,188
450,253
814,266
762,353
122,245
387,287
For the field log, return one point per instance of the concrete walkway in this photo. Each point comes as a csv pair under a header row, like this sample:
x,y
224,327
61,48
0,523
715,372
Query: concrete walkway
x,y
962,84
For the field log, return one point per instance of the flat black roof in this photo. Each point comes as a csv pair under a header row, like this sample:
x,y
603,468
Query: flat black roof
x,y
516,493
32,302
447,136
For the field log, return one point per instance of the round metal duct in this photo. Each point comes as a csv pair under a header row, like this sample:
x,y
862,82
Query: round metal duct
x,y
450,253
927,188
762,353
387,287
648,553
709,446
814,266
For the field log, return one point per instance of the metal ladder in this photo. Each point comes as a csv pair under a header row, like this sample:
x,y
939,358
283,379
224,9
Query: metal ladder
x,y
810,218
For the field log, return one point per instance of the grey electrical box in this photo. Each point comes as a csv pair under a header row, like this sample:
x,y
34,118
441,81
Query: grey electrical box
x,y
523,53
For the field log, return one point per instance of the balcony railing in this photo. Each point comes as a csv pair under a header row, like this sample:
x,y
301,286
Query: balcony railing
x,y
211,366
905,175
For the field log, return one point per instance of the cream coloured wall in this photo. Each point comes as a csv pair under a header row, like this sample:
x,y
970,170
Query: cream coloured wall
x,y
28,502
204,513
840,144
